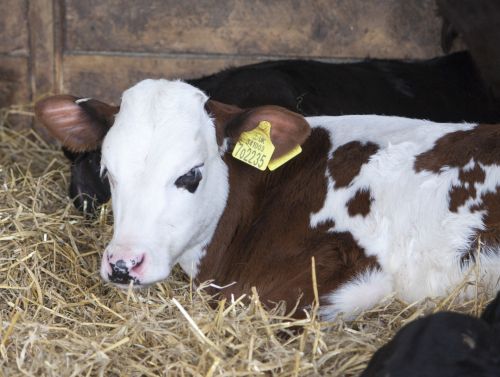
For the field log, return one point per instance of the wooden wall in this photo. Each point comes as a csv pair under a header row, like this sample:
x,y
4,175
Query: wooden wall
x,y
97,48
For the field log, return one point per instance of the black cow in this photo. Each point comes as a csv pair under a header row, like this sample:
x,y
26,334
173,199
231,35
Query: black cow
x,y
445,89
443,345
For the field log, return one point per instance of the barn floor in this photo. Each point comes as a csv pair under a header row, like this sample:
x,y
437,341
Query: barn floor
x,y
58,318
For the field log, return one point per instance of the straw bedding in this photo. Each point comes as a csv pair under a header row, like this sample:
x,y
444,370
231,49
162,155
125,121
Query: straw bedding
x,y
57,318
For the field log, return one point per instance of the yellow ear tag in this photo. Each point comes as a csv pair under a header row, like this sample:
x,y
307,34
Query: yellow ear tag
x,y
255,147
277,162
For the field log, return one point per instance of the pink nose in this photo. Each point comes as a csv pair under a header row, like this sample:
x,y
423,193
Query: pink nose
x,y
124,268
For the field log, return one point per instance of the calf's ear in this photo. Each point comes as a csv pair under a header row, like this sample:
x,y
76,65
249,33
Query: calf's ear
x,y
288,129
79,124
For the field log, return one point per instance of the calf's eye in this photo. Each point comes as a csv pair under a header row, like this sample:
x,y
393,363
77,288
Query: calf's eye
x,y
190,180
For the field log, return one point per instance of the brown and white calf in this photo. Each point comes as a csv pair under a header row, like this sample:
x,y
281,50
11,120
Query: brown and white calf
x,y
384,204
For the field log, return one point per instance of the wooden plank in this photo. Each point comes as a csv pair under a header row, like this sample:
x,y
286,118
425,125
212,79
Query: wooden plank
x,y
14,28
41,27
59,32
14,88
313,28
106,77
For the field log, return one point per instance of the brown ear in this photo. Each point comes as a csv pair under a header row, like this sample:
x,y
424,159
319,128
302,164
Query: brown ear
x,y
288,129
79,124
222,114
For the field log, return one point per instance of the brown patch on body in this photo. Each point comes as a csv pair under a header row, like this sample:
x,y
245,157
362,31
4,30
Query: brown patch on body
x,y
459,195
347,160
264,238
456,149
360,203
491,204
476,174
467,188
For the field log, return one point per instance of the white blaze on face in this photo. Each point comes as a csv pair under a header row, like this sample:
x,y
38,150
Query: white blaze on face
x,y
162,133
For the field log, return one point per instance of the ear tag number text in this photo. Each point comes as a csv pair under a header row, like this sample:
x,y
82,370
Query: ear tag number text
x,y
254,147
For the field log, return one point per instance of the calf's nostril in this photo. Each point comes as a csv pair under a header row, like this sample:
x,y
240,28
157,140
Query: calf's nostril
x,y
121,269
120,274
121,265
136,262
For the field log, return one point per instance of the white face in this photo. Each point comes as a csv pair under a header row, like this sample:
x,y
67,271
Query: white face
x,y
168,182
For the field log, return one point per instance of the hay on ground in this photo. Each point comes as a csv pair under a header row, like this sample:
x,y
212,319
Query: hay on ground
x,y
57,318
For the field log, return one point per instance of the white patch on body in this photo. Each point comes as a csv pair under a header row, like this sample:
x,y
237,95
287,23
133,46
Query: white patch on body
x,y
360,293
416,239
469,166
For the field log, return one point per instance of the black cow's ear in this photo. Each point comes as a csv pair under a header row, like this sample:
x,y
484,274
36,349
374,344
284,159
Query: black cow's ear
x,y
79,124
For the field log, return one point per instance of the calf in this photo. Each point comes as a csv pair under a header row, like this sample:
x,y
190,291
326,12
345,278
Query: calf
x,y
444,89
382,203
443,345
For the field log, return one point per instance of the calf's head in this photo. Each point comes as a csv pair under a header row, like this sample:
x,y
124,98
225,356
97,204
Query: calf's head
x,y
163,157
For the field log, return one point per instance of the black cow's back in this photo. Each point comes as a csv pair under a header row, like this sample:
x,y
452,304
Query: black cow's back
x,y
442,345
444,89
